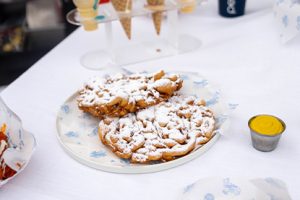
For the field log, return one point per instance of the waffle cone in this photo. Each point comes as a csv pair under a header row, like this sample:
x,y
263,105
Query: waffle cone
x,y
156,16
123,6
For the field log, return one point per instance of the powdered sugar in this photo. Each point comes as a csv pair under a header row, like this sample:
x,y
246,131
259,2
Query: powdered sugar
x,y
132,88
162,132
161,82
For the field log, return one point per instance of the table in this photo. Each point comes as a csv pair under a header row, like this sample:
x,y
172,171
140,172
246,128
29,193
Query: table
x,y
243,56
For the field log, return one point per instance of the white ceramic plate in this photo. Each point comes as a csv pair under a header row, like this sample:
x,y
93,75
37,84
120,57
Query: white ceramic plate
x,y
77,131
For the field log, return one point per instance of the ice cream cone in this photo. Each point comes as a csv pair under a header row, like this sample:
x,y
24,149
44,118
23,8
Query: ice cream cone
x,y
191,6
156,16
124,6
88,11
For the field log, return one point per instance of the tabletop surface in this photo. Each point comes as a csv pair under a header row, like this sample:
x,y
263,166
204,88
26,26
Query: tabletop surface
x,y
243,56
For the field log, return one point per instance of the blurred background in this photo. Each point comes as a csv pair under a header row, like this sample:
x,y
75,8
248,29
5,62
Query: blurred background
x,y
31,28
28,30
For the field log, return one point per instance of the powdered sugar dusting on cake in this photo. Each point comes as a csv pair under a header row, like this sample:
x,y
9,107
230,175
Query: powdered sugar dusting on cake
x,y
132,88
161,132
121,94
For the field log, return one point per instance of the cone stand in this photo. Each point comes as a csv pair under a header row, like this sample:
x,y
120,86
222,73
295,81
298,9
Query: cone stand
x,y
119,51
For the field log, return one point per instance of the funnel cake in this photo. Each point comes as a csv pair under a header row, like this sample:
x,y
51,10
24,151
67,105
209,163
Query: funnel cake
x,y
162,132
116,96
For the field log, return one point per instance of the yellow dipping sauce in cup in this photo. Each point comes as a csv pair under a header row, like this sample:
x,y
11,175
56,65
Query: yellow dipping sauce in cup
x,y
265,132
267,125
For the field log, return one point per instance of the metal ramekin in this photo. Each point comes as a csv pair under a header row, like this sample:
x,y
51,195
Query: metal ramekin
x,y
263,142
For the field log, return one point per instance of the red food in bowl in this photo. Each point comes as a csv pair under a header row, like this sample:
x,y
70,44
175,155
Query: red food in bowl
x,y
5,171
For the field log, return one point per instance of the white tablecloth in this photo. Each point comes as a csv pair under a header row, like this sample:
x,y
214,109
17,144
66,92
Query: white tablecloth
x,y
243,56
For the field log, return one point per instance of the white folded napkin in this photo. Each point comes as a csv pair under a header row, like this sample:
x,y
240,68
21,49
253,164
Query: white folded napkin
x,y
287,15
236,189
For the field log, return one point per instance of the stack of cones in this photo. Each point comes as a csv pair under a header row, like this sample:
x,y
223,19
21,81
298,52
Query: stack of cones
x,y
124,6
88,11
157,16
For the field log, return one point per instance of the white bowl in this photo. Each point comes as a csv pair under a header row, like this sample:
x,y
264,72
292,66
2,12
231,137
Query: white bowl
x,y
21,143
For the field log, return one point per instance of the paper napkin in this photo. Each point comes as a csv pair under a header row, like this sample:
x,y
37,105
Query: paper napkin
x,y
236,189
287,15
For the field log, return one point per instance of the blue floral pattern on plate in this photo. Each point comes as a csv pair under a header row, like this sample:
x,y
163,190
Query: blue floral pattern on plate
x,y
214,99
65,108
201,83
98,154
94,132
78,131
72,134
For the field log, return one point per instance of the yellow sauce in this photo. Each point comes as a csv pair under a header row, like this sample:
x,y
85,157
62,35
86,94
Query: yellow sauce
x,y
267,125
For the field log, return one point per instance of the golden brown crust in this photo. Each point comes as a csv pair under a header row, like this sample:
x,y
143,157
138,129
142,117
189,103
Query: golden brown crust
x,y
163,132
118,96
